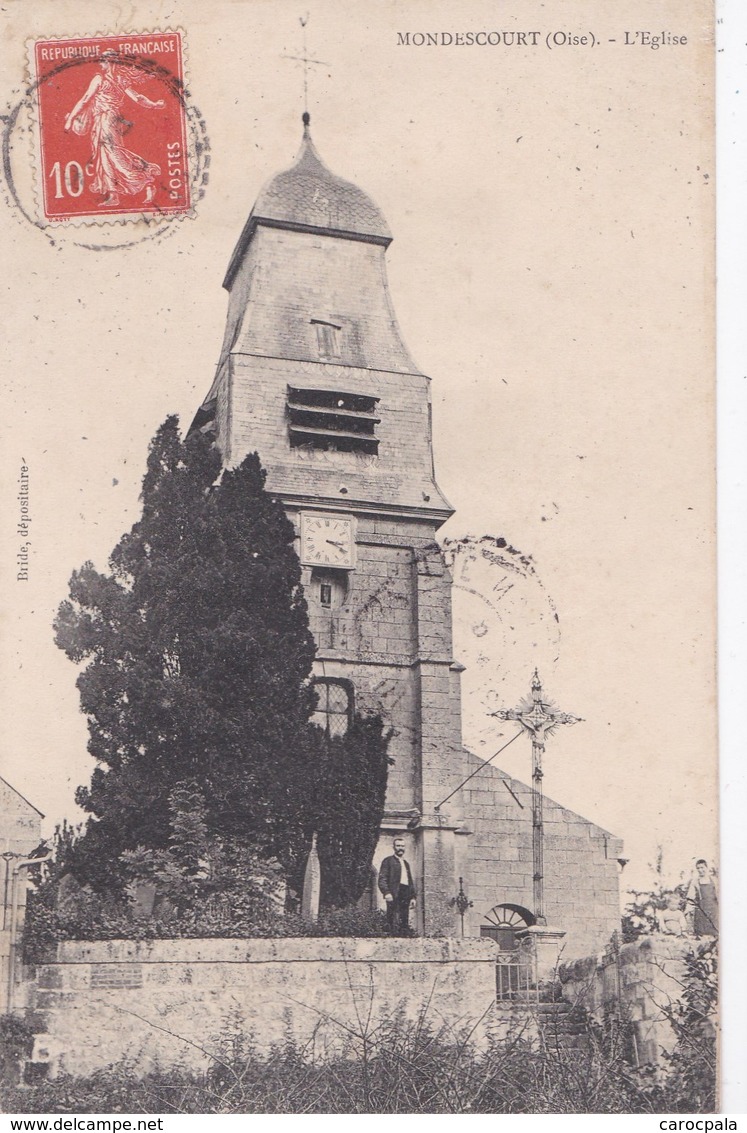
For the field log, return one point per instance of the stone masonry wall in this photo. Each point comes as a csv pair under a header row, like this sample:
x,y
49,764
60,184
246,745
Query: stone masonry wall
x,y
643,979
581,868
184,1002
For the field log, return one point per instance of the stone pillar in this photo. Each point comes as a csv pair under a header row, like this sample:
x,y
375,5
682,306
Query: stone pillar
x,y
4,969
547,943
441,756
436,916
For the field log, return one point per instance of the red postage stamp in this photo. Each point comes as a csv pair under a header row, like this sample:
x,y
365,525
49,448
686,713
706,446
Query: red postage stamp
x,y
112,125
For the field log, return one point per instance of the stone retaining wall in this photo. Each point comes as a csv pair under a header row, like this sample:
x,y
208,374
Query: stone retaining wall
x,y
643,980
165,1003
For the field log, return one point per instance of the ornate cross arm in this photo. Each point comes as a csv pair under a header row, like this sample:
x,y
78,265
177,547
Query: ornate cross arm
x,y
566,718
537,716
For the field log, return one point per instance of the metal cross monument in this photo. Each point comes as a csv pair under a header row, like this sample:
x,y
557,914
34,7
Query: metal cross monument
x,y
539,718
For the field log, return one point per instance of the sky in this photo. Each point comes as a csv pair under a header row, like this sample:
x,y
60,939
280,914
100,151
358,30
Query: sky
x,y
551,271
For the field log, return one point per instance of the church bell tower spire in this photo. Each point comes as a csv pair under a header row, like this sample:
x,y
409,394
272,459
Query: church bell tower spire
x,y
314,375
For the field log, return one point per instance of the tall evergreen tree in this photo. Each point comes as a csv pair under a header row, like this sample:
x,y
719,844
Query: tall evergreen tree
x,y
198,656
348,807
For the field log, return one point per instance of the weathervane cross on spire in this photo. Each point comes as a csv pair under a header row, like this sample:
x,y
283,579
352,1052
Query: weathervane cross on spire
x,y
304,58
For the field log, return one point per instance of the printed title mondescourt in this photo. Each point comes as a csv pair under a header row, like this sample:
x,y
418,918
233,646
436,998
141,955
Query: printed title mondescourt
x,y
653,40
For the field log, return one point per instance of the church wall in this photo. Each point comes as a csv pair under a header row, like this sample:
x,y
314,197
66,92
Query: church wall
x,y
391,636
581,868
20,833
238,297
396,604
222,417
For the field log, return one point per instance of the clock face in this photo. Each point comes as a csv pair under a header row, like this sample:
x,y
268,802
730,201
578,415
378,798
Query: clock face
x,y
327,540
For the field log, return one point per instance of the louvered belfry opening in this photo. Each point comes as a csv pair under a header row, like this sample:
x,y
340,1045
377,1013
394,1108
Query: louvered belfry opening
x,y
333,420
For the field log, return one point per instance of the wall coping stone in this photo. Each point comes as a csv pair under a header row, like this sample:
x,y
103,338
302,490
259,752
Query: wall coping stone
x,y
655,945
262,950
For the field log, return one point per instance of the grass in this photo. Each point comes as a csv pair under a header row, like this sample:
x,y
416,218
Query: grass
x,y
408,1068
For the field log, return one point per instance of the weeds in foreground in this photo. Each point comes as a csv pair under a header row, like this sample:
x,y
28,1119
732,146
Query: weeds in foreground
x,y
408,1068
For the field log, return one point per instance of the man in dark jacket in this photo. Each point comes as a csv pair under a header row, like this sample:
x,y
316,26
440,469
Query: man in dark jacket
x,y
398,887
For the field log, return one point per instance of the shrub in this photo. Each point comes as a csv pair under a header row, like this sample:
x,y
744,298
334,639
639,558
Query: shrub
x,y
693,1062
16,1043
109,918
350,922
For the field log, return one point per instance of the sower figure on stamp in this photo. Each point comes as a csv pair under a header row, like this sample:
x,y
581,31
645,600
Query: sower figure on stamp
x,y
116,168
397,885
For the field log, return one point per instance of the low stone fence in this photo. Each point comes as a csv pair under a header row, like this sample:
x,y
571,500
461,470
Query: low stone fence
x,y
640,982
188,1003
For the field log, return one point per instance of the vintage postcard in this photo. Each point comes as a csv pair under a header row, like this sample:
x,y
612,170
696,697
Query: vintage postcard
x,y
358,585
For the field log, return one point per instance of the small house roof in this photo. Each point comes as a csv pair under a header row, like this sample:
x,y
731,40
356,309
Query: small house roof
x,y
16,792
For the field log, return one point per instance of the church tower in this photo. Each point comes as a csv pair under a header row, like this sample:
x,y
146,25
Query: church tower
x,y
314,375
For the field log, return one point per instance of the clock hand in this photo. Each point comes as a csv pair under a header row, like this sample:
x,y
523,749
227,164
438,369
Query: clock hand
x,y
335,544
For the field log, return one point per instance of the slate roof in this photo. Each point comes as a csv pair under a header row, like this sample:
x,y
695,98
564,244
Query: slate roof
x,y
309,194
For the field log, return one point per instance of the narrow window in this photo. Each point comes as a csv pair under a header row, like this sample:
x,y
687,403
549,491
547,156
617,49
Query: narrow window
x,y
327,338
334,705
326,594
